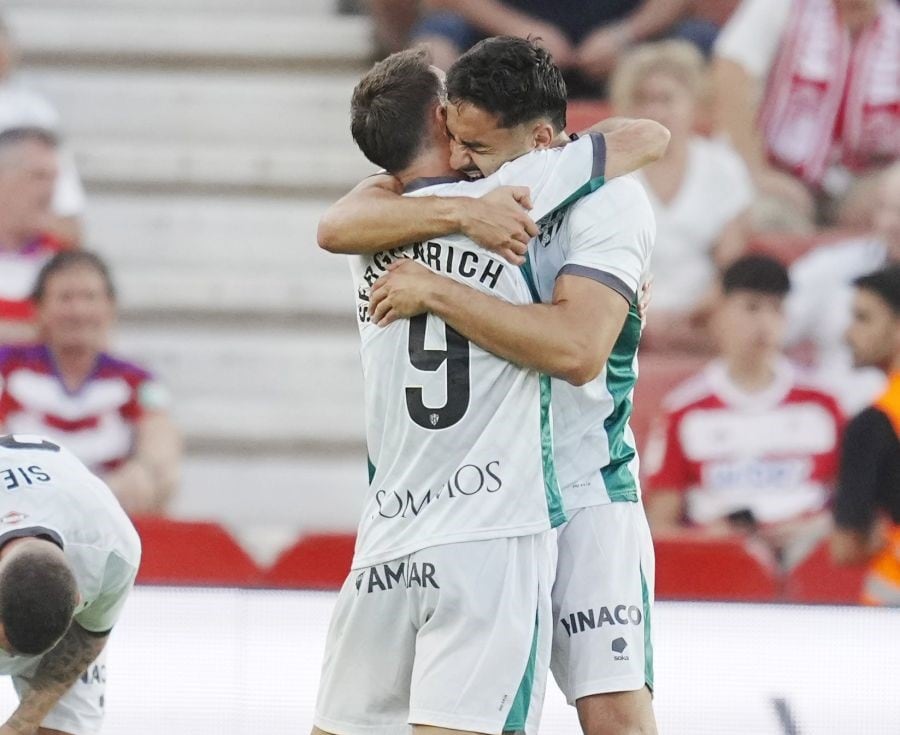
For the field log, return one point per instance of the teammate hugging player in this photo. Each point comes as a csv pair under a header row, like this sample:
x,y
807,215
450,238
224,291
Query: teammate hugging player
x,y
68,559
507,103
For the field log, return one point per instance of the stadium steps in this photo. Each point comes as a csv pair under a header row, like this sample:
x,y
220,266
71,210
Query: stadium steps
x,y
147,35
256,391
215,257
210,135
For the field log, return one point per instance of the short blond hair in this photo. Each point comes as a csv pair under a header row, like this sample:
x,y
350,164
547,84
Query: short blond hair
x,y
678,59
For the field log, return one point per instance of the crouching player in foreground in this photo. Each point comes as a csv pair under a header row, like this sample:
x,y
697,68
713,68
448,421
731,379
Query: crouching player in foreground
x,y
68,559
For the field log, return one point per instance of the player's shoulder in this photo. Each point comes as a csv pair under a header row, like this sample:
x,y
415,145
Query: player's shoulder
x,y
618,197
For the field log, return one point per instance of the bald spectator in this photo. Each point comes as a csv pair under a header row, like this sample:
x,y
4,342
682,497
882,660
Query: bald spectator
x,y
23,107
28,169
112,414
820,305
809,93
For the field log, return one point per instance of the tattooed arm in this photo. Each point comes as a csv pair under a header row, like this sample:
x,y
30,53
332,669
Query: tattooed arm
x,y
58,670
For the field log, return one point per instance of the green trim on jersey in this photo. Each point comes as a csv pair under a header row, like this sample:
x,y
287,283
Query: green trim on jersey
x,y
518,711
551,485
371,469
648,638
621,484
589,188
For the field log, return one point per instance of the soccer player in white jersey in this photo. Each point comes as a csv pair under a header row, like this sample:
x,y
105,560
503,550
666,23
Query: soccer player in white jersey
x,y
447,608
586,267
68,559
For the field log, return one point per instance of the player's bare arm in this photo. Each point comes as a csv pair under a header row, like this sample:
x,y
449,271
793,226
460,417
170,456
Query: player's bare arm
x,y
59,669
570,338
374,217
631,144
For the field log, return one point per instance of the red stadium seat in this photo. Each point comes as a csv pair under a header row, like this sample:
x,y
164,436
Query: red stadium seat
x,y
181,553
818,579
658,374
712,569
320,561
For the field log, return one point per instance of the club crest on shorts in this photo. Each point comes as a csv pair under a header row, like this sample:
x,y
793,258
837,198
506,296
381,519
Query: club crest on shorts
x,y
433,419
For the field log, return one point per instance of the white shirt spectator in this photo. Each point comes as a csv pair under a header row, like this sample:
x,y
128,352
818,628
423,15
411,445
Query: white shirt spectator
x,y
22,107
819,309
716,188
753,34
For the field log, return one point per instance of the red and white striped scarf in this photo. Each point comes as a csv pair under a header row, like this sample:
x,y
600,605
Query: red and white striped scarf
x,y
831,99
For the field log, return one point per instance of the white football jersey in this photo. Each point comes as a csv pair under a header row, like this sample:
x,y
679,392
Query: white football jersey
x,y
607,236
460,440
45,491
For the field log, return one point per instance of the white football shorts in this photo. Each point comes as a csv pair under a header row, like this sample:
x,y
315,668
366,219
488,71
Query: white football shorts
x,y
455,636
602,600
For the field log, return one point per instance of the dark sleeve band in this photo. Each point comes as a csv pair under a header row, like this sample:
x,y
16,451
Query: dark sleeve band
x,y
598,170
607,279
34,532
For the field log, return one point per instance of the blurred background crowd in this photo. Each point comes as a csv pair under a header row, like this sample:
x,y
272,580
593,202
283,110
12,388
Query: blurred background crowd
x,y
165,312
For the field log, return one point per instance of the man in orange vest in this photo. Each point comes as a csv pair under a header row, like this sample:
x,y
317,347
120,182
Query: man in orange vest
x,y
867,505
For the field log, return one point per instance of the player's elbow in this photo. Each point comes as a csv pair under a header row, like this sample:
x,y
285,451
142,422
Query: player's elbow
x,y
653,138
580,369
329,233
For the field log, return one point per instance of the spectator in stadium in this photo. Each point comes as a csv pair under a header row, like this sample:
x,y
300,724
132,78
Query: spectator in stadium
x,y
820,304
746,447
28,168
68,561
582,37
808,91
23,107
700,190
110,413
869,481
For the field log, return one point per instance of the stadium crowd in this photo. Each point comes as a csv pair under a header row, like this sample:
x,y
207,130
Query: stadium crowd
x,y
780,187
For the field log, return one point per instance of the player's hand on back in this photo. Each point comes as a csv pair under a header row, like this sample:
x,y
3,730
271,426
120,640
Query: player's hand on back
x,y
499,222
402,292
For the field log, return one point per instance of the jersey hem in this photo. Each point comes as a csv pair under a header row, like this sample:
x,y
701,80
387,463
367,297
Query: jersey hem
x,y
362,562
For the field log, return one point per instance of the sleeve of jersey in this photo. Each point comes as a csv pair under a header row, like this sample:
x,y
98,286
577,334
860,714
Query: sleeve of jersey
x,y
610,237
558,176
103,613
666,466
866,439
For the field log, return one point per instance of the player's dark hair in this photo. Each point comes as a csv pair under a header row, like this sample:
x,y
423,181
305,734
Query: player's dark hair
x,y
14,136
38,595
66,260
884,283
391,106
512,78
758,273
